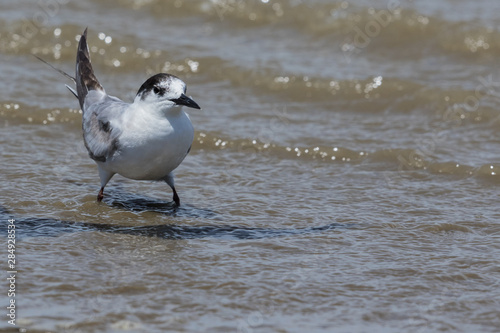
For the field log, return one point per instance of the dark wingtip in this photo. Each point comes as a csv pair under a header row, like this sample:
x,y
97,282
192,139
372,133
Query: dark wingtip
x,y
84,36
82,44
85,77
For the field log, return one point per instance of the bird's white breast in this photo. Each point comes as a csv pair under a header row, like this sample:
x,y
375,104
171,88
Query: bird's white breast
x,y
153,143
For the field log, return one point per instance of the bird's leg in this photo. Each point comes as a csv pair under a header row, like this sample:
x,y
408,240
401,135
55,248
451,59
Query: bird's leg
x,y
169,179
105,176
176,197
100,195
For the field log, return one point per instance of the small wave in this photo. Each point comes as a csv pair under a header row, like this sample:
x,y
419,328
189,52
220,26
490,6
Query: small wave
x,y
57,44
344,23
402,160
20,113
347,29
409,34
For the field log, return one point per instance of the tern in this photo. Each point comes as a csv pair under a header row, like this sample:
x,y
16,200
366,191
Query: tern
x,y
143,140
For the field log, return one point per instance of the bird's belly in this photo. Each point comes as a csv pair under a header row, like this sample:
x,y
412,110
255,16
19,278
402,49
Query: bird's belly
x,y
151,165
152,157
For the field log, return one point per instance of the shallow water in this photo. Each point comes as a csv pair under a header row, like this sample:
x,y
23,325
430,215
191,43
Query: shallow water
x,y
344,177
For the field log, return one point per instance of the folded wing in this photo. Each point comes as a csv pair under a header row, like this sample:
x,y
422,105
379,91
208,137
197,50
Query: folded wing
x,y
100,134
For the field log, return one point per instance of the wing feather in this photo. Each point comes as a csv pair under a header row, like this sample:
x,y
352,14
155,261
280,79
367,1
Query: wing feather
x,y
100,111
85,78
100,133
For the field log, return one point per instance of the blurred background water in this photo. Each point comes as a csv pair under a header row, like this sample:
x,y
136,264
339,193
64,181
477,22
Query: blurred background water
x,y
344,175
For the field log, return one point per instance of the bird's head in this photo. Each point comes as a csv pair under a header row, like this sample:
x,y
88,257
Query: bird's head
x,y
164,90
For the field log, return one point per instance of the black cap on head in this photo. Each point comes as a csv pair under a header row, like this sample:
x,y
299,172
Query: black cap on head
x,y
167,87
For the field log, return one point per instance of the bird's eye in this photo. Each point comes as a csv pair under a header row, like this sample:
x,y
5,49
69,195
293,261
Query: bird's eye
x,y
156,90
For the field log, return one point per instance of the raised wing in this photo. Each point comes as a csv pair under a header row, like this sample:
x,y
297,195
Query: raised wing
x,y
85,79
100,111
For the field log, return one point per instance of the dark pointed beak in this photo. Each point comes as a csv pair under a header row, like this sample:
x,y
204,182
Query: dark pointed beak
x,y
184,100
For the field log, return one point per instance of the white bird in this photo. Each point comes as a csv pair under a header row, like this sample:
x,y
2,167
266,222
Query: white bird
x,y
143,140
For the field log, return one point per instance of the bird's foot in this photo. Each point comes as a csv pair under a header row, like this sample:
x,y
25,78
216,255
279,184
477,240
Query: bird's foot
x,y
176,198
100,195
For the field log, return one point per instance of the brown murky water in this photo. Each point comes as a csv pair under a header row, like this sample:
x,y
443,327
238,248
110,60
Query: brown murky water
x,y
345,174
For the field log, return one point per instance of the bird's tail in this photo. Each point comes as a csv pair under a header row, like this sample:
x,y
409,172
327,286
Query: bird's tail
x,y
62,72
85,78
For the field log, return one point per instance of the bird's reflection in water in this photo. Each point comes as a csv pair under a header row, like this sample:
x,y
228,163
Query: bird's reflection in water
x,y
46,227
